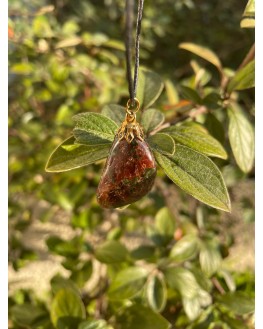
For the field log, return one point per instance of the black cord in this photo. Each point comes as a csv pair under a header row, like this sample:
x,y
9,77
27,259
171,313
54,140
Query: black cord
x,y
132,82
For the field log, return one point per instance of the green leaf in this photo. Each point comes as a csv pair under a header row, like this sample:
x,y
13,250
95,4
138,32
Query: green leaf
x,y
165,224
141,317
151,119
241,137
210,259
94,324
162,143
215,127
82,275
26,314
143,252
93,128
197,175
191,95
172,94
69,156
248,18
115,112
68,322
22,68
150,87
184,249
111,252
243,79
58,283
182,280
128,283
237,302
203,52
69,42
66,303
156,293
62,247
197,140
192,307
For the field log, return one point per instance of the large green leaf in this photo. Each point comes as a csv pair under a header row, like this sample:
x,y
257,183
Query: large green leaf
x,y
197,139
141,317
241,137
243,79
156,293
185,248
237,302
66,303
69,155
94,128
115,112
203,52
248,18
162,143
128,283
111,252
197,175
150,87
151,119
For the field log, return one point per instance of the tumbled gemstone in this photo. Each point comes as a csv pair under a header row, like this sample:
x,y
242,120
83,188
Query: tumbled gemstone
x,y
128,174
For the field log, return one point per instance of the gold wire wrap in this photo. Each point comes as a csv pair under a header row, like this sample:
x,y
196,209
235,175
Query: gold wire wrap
x,y
130,128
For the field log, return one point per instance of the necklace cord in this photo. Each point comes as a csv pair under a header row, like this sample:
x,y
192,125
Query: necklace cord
x,y
132,82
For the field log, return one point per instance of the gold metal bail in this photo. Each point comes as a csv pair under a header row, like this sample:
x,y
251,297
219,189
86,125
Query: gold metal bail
x,y
130,128
132,109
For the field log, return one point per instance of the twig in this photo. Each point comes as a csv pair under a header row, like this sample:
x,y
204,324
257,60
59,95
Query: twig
x,y
218,286
249,57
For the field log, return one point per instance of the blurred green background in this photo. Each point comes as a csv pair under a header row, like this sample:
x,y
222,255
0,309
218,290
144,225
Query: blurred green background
x,y
67,57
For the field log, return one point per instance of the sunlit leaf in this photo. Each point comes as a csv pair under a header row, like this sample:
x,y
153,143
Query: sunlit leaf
x,y
248,18
210,258
185,248
66,303
172,94
94,324
203,52
197,175
93,128
69,156
241,137
198,140
243,79
156,293
127,283
111,252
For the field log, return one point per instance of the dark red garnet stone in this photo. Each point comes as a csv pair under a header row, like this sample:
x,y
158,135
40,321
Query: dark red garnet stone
x,y
128,175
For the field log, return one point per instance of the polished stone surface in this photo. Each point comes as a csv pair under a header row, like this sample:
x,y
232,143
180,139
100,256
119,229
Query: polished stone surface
x,y
128,174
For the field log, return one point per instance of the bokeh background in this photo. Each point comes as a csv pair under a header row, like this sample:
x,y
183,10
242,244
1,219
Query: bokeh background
x,y
67,57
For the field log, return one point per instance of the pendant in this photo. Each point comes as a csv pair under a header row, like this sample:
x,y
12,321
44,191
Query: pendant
x,y
130,169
